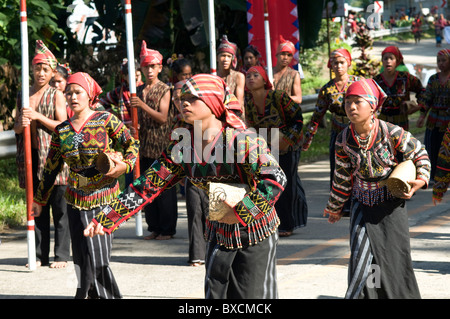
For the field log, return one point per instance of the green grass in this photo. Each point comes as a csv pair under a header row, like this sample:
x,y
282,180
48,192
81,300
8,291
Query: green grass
x,y
12,197
319,149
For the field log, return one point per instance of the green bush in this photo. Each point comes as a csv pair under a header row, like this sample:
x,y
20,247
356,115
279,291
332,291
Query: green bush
x,y
12,197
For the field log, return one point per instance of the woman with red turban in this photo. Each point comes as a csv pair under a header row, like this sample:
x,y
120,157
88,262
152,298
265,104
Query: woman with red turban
x,y
241,249
331,98
78,142
379,235
398,86
286,78
226,68
274,109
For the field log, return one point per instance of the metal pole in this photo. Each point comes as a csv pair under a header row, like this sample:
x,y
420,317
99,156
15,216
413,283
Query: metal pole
x,y
132,86
267,41
212,38
27,136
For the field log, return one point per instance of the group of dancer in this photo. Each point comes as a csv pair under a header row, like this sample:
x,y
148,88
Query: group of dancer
x,y
240,249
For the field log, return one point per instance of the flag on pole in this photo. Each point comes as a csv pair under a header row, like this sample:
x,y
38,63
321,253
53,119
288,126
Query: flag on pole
x,y
283,20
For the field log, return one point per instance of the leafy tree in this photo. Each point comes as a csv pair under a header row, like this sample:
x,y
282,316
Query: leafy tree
x,y
42,24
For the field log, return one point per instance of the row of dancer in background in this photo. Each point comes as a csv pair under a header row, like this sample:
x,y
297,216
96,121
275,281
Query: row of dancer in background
x,y
398,85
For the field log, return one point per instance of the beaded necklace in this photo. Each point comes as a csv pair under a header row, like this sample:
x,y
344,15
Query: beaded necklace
x,y
364,143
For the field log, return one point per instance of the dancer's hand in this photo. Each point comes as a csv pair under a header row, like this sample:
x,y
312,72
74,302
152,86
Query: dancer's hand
x,y
91,230
415,185
332,218
36,210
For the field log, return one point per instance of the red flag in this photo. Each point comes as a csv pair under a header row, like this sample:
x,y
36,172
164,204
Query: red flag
x,y
283,20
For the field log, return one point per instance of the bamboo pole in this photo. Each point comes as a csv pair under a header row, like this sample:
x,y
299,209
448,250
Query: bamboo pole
x,y
27,136
132,86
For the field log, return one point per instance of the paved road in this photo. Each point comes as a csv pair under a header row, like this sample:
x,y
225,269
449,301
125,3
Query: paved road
x,y
312,264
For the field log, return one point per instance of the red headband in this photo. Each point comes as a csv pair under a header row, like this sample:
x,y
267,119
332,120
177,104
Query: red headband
x,y
88,84
286,46
263,73
149,56
395,51
213,91
444,52
44,55
228,47
340,53
369,90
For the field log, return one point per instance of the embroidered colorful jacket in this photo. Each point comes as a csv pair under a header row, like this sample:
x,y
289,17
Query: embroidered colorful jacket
x,y
79,149
331,99
360,175
398,92
437,103
235,157
280,112
442,176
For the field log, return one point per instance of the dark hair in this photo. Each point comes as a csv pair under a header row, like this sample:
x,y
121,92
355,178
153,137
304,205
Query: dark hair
x,y
124,67
63,71
179,65
253,50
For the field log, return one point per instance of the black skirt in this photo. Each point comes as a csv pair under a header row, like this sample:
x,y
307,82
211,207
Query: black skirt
x,y
380,263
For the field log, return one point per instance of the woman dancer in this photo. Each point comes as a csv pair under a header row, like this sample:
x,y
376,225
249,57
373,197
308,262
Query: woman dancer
x,y
78,142
240,261
379,234
267,108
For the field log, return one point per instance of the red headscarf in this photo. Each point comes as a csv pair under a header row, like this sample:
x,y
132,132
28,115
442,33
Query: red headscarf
x,y
340,53
88,84
149,56
444,52
286,46
395,51
263,73
369,90
228,47
213,91
44,55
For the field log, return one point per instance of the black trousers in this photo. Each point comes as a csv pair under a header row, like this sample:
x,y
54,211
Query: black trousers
x,y
292,208
197,206
91,257
58,205
247,273
162,214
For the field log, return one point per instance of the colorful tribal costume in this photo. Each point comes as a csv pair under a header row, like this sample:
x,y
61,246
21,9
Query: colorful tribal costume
x,y
240,261
394,109
442,176
282,112
331,98
379,234
437,106
88,190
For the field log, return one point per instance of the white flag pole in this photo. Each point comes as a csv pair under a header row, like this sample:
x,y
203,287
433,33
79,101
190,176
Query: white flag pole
x,y
27,136
212,38
132,86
